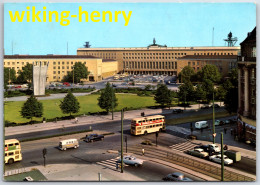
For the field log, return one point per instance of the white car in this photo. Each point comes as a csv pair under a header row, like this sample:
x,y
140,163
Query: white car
x,y
217,122
217,159
176,176
131,160
214,147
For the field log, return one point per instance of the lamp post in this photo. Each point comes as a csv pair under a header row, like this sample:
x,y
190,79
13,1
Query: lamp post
x,y
122,140
112,103
213,125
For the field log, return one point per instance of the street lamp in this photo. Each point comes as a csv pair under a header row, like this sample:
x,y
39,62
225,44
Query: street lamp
x,y
213,126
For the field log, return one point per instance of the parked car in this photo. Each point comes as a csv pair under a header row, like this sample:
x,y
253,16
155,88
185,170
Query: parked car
x,y
217,159
215,106
176,111
94,137
131,160
205,107
176,176
201,124
217,122
210,147
198,152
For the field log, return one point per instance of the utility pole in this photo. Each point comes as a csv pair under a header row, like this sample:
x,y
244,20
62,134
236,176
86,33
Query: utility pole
x,y
222,158
125,144
156,136
122,140
213,125
112,94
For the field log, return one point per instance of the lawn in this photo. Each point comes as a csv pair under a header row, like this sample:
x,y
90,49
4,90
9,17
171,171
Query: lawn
x,y
87,104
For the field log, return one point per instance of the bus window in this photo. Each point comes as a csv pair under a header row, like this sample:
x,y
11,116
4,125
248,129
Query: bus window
x,y
11,144
139,121
153,125
138,128
143,127
147,127
10,153
16,152
150,120
5,154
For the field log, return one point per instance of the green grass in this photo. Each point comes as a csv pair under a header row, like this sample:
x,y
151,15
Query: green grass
x,y
34,173
87,104
197,118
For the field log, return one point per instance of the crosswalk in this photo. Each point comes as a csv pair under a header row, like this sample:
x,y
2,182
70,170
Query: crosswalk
x,y
110,163
183,147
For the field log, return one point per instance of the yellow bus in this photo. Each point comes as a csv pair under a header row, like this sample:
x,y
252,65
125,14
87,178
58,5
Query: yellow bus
x,y
149,124
12,151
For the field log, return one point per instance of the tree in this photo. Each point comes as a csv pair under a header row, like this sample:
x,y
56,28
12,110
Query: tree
x,y
231,87
107,99
221,93
32,108
187,74
200,93
21,78
210,72
186,92
79,71
148,87
208,87
163,95
9,75
27,73
69,104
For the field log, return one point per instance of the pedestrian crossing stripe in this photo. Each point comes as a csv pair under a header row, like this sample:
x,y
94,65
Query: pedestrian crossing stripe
x,y
110,163
183,147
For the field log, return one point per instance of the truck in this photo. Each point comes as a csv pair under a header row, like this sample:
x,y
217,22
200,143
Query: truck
x,y
234,155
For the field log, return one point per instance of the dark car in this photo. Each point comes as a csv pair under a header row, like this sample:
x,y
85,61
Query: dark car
x,y
205,107
94,137
176,111
215,105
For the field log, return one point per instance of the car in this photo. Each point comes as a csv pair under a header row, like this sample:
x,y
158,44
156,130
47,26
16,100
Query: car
x,y
198,152
210,147
176,176
217,122
176,111
205,107
93,137
217,159
227,121
131,160
215,106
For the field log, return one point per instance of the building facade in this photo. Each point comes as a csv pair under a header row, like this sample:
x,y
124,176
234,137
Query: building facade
x,y
247,89
60,65
156,59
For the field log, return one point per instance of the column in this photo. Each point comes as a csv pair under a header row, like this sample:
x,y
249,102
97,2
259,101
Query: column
x,y
246,89
239,89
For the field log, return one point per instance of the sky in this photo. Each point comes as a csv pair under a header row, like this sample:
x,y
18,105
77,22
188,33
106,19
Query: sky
x,y
173,24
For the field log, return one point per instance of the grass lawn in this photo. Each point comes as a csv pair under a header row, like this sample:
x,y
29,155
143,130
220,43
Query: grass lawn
x,y
193,118
87,104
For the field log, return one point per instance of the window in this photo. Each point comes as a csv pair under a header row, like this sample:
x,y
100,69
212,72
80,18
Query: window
x,y
253,52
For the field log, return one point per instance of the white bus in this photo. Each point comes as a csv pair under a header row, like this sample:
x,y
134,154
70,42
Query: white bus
x,y
149,124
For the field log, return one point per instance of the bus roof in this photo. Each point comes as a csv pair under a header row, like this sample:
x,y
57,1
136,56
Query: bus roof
x,y
68,140
8,141
149,117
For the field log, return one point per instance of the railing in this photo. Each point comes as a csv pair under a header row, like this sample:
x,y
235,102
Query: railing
x,y
16,171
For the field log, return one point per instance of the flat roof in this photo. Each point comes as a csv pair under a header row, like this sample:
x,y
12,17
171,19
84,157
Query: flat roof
x,y
49,56
160,48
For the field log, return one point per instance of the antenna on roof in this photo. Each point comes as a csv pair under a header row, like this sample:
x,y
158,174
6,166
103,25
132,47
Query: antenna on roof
x,y
230,40
87,45
213,37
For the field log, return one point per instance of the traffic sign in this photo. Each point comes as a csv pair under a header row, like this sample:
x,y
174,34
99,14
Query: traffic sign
x,y
214,135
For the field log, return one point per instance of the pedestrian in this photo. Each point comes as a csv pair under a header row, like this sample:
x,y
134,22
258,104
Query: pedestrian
x,y
116,165
225,130
225,147
76,120
143,151
231,131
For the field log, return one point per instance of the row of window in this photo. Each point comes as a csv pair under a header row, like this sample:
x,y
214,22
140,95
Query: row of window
x,y
149,126
150,57
12,153
62,67
213,53
150,65
154,53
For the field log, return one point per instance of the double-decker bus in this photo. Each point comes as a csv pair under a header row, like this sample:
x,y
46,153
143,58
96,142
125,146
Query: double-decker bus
x,y
12,151
149,124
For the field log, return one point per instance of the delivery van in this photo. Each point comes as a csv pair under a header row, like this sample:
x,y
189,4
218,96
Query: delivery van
x,y
201,124
68,143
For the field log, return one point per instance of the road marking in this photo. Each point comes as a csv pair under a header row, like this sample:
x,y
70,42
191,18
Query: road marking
x,y
183,147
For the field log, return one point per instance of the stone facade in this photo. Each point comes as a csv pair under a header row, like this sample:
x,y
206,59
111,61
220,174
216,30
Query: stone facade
x,y
247,89
60,65
156,59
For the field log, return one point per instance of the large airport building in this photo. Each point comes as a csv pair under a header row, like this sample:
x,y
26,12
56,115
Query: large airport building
x,y
153,60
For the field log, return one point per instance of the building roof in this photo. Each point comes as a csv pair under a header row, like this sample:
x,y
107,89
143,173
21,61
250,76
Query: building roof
x,y
250,36
49,56
208,57
160,48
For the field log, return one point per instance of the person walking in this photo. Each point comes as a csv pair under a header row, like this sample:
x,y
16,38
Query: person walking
x,y
225,130
143,151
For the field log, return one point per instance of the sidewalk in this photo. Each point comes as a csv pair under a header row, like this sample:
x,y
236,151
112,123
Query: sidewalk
x,y
89,120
